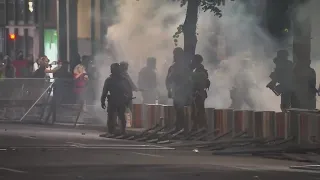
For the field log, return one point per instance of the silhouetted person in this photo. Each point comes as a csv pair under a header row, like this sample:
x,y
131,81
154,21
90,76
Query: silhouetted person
x,y
240,94
200,84
304,81
117,89
281,79
178,85
147,82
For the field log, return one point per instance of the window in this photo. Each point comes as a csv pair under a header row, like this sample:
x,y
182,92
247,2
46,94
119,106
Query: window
x,y
2,12
11,11
30,11
20,10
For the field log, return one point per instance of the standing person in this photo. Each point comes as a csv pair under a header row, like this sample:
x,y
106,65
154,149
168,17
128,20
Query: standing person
x,y
148,81
124,69
178,85
21,65
304,80
281,79
8,69
81,78
124,66
42,70
200,85
119,89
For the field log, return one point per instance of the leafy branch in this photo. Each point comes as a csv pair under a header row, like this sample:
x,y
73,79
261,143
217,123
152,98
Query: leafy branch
x,y
205,5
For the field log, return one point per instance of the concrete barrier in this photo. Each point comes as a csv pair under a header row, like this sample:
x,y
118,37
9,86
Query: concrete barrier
x,y
243,122
152,114
169,116
308,128
137,115
223,120
281,125
210,119
264,123
293,126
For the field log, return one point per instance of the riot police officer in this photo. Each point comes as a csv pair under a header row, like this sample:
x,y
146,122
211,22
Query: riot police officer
x,y
281,79
200,83
117,90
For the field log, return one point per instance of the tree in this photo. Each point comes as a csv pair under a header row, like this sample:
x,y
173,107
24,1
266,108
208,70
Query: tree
x,y
189,27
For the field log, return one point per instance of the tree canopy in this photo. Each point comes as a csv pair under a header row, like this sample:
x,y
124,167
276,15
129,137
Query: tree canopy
x,y
205,5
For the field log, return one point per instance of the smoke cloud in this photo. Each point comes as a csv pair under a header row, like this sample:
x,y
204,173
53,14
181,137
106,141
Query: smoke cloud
x,y
144,28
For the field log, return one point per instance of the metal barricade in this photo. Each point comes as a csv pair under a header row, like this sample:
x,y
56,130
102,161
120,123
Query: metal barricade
x,y
21,99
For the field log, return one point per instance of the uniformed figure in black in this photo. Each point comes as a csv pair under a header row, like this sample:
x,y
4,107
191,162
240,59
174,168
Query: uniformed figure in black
x,y
200,85
281,79
148,81
178,85
124,70
304,80
117,89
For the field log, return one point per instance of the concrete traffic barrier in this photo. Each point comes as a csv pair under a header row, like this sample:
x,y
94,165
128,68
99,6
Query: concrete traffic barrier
x,y
137,115
152,115
282,125
223,120
293,125
308,128
169,116
264,123
210,119
243,122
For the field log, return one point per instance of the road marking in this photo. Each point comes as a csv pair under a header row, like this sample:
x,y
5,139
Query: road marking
x,y
12,170
76,144
151,155
29,137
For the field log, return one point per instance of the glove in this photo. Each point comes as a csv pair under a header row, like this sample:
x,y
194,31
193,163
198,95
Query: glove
x,y
103,106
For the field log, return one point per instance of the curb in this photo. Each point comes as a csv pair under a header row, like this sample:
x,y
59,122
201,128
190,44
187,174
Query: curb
x,y
91,127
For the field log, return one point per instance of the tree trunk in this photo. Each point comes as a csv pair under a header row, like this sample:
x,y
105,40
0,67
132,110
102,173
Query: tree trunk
x,y
301,57
189,29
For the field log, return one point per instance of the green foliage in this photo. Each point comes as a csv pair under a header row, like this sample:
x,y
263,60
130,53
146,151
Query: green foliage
x,y
205,5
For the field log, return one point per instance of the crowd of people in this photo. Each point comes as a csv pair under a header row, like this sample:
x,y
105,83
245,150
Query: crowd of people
x,y
187,83
72,78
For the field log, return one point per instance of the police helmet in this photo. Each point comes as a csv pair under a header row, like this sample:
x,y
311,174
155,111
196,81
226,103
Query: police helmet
x,y
115,68
198,58
124,65
178,50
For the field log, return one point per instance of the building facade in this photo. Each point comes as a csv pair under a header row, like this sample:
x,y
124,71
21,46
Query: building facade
x,y
55,28
20,25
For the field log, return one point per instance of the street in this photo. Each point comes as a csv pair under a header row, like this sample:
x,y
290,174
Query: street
x,y
49,152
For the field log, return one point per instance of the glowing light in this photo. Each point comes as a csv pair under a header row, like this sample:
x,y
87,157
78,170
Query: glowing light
x,y
30,4
12,36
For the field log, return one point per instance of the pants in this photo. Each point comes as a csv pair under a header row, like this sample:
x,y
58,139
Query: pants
x,y
113,112
179,108
286,98
198,114
179,103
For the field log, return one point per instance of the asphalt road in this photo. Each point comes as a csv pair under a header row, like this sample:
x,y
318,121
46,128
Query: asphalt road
x,y
39,152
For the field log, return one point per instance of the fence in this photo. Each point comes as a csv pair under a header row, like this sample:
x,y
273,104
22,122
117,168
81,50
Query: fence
x,y
303,126
31,100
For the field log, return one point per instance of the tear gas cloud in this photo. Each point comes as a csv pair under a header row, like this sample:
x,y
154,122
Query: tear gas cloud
x,y
144,28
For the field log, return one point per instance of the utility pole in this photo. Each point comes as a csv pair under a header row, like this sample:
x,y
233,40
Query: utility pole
x,y
62,30
41,19
103,24
93,28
